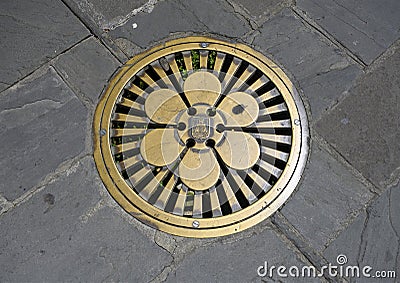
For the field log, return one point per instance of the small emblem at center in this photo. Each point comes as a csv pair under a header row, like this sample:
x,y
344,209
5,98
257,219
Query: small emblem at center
x,y
200,128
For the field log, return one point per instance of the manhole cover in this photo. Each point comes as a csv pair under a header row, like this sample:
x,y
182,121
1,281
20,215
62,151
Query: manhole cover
x,y
200,137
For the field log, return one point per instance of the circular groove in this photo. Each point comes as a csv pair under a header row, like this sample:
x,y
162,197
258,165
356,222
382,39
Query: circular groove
x,y
201,133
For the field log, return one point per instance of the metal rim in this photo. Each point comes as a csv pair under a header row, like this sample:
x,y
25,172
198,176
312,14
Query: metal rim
x,y
239,97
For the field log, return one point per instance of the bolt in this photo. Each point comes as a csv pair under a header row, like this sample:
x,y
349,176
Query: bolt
x,y
103,132
204,45
195,224
181,126
192,111
297,122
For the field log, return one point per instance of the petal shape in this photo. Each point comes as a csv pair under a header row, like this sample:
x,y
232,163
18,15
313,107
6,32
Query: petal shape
x,y
160,147
199,170
162,105
239,150
202,87
240,109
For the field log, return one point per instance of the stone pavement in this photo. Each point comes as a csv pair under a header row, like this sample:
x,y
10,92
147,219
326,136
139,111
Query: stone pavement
x,y
58,223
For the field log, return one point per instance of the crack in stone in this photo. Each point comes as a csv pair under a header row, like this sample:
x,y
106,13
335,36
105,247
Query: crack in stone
x,y
303,16
284,228
187,9
103,256
363,242
348,10
41,103
349,24
88,103
91,211
122,20
65,169
252,24
5,205
393,227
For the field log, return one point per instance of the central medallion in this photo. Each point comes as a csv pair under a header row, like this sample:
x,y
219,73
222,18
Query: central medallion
x,y
200,128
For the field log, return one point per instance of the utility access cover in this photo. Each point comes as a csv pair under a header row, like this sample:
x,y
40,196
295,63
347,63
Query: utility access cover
x,y
200,137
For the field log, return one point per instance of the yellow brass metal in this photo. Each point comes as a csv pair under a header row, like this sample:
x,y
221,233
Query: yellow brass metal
x,y
199,170
190,153
249,150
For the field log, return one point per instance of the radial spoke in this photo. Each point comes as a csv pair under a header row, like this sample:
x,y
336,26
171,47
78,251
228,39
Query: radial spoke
x,y
126,132
275,153
197,205
274,109
274,138
243,187
215,204
130,118
120,148
146,78
244,77
175,68
264,185
162,200
187,57
219,60
203,59
180,201
230,195
151,186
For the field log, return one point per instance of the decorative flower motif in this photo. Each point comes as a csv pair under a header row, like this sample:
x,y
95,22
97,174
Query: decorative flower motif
x,y
198,138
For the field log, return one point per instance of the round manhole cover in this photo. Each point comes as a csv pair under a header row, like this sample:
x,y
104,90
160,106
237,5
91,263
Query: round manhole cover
x,y
200,137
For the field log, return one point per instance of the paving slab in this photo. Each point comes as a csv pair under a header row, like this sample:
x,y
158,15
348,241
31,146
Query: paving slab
x,y
373,239
309,58
32,33
364,127
169,17
87,67
57,236
325,89
109,14
259,10
365,27
327,199
42,124
238,261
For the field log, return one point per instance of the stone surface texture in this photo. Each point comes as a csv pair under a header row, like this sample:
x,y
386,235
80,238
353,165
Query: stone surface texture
x,y
87,67
42,125
321,69
373,239
65,240
32,33
364,127
329,197
365,27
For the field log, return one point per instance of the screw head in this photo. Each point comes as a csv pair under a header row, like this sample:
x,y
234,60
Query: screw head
x,y
204,44
103,132
196,224
297,122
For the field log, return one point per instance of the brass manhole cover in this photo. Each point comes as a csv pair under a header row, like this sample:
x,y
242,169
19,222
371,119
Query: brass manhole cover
x,y
200,137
